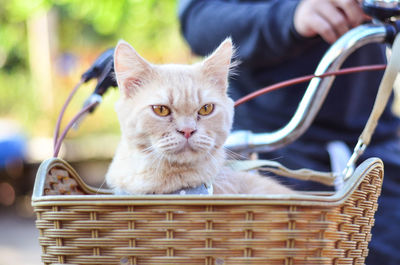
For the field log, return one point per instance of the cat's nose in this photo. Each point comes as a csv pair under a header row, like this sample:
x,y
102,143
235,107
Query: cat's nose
x,y
187,132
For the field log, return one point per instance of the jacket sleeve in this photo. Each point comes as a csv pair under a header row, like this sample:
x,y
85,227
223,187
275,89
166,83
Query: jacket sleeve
x,y
262,31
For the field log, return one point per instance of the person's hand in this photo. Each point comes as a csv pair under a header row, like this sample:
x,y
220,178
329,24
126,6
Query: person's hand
x,y
328,18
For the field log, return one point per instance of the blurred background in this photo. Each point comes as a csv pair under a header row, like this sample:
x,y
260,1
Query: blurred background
x,y
45,46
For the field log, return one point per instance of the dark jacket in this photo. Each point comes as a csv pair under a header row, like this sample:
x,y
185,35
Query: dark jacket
x,y
272,51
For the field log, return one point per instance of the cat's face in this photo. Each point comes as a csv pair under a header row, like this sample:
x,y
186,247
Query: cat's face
x,y
178,112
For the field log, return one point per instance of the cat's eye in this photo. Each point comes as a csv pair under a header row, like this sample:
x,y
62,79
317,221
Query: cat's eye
x,y
206,109
161,110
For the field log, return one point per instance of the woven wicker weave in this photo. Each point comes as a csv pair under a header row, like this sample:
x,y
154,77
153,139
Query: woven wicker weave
x,y
94,227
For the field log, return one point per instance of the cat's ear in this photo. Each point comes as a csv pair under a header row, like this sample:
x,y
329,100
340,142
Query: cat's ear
x,y
216,67
131,70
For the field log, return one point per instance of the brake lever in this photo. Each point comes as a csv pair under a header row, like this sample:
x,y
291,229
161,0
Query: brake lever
x,y
103,70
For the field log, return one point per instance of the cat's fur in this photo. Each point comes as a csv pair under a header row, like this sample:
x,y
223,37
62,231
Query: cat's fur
x,y
154,155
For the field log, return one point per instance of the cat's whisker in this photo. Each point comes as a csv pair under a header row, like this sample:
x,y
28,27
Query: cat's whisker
x,y
213,160
221,173
233,155
167,144
148,155
102,184
206,138
163,144
204,143
160,159
148,149
156,163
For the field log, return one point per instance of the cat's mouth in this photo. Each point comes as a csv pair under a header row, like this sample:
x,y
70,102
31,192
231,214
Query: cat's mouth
x,y
186,147
182,148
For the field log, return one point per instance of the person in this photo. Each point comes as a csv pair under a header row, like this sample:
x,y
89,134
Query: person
x,y
277,40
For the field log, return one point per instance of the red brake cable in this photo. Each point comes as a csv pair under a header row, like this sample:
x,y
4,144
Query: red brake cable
x,y
298,80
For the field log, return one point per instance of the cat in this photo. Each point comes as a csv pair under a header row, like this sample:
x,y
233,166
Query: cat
x,y
174,121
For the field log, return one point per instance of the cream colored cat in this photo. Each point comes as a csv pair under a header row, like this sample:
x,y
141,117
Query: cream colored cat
x,y
174,121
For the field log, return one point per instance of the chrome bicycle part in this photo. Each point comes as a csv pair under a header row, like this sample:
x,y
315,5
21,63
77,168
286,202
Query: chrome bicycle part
x,y
383,10
317,90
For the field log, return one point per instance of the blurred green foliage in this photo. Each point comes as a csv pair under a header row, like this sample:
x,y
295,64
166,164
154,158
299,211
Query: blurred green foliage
x,y
83,29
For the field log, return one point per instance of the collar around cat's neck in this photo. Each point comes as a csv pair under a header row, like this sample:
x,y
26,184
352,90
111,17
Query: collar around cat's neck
x,y
203,189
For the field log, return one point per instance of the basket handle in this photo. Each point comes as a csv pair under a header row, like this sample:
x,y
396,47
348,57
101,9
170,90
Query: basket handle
x,y
382,98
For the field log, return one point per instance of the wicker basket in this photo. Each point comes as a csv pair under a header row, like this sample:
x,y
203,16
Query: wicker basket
x,y
81,225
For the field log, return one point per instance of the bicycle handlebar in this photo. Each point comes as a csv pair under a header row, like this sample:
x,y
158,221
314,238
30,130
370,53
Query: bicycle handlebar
x,y
316,91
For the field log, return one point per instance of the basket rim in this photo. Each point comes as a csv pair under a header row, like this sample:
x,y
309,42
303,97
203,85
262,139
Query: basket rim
x,y
104,197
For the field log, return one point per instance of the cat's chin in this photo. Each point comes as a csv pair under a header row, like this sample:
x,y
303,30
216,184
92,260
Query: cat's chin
x,y
186,148
183,148
186,154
